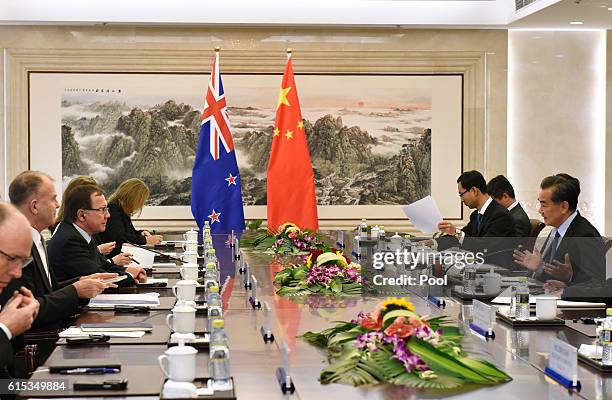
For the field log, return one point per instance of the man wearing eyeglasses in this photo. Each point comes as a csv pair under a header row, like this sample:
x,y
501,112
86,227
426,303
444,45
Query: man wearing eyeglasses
x,y
34,195
73,251
19,312
490,225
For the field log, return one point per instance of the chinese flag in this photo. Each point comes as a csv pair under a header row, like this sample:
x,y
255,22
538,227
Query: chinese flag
x,y
291,190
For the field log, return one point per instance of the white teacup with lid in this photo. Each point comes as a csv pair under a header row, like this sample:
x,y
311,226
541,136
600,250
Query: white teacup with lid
x,y
185,290
179,363
492,282
191,235
189,271
182,319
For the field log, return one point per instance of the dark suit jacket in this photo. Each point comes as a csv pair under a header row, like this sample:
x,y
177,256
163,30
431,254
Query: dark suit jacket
x,y
58,300
585,247
495,235
590,291
522,224
71,256
6,356
119,228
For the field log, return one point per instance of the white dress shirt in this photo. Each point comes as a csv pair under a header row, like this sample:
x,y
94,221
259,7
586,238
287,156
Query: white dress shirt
x,y
37,238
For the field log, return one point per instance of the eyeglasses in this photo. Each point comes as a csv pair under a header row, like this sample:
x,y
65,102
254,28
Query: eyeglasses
x,y
101,210
461,194
23,261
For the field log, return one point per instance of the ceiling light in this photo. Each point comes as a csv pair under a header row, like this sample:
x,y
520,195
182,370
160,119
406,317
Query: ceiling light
x,y
576,23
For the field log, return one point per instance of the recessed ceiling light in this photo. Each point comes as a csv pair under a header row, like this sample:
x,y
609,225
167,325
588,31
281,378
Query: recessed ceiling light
x,y
609,8
576,23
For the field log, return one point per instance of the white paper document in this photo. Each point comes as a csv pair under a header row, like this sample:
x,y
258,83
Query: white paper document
x,y
164,265
111,300
143,256
75,332
153,281
424,214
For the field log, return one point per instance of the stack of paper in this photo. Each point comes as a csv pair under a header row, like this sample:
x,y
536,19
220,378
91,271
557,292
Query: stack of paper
x,y
112,300
153,281
74,332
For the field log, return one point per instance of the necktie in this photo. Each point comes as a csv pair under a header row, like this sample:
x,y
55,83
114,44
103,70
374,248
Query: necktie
x,y
478,217
553,248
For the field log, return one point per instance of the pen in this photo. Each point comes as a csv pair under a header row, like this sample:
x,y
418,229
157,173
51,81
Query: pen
x,y
91,371
135,261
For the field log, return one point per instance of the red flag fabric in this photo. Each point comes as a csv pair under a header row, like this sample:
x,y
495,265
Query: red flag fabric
x,y
291,190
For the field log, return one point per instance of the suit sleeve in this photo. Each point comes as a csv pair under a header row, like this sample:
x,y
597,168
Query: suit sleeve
x,y
590,291
587,256
54,306
6,351
122,231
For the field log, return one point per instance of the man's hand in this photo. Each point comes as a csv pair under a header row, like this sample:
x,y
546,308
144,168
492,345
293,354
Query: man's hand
x,y
527,259
447,227
122,259
154,239
100,275
19,313
28,297
560,270
137,273
106,248
554,288
90,288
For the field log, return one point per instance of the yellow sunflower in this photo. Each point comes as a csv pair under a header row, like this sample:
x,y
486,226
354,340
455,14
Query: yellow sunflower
x,y
285,225
396,303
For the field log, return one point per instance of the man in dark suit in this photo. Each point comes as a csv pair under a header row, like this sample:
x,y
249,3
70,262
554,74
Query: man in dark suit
x,y
574,251
33,193
17,315
73,251
502,192
490,224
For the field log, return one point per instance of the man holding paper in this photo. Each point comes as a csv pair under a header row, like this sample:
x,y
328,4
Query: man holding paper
x,y
33,194
490,223
72,250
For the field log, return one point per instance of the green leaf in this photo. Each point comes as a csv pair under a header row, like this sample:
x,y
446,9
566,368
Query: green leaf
x,y
441,382
444,363
336,285
485,368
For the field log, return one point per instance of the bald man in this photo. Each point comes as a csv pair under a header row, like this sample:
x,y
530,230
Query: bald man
x,y
17,315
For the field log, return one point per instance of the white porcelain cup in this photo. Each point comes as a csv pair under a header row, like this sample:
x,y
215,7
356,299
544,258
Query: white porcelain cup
x,y
190,257
185,290
190,245
182,319
189,271
191,235
492,283
546,308
179,363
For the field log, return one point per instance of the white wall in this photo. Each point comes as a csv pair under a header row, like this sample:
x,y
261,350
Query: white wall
x,y
556,113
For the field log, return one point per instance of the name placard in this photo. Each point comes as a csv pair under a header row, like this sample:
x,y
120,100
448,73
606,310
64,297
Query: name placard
x,y
340,241
482,319
563,363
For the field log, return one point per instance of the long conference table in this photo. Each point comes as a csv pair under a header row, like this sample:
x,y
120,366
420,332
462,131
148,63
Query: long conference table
x,y
522,353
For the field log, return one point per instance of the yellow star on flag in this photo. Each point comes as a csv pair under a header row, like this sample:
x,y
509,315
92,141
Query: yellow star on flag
x,y
276,132
300,124
289,134
282,96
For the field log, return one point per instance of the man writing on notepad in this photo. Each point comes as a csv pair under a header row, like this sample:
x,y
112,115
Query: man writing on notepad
x,y
72,250
34,195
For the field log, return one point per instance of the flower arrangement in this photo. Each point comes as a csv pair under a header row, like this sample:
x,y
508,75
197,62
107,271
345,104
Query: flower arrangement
x,y
289,239
324,272
393,344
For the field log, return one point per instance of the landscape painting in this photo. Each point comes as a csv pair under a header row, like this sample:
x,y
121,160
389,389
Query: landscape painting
x,y
376,141
369,143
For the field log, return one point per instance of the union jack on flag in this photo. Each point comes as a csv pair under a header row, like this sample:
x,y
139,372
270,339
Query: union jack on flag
x,y
216,196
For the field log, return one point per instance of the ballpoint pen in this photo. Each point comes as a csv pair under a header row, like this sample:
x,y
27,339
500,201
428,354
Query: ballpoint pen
x,y
89,371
